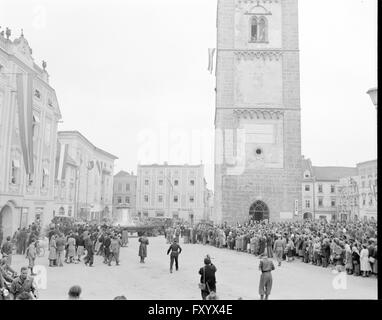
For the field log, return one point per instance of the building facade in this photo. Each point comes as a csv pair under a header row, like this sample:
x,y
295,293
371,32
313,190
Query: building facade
x,y
29,114
171,191
368,189
65,183
321,190
124,196
93,177
258,133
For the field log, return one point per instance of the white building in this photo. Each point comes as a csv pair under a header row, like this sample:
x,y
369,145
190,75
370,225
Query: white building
x,y
173,191
368,193
29,114
92,181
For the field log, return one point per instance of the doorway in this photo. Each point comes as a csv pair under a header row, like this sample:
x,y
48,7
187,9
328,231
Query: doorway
x,y
259,211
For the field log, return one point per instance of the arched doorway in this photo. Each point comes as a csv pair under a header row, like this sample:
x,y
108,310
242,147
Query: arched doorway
x,y
6,221
308,215
259,211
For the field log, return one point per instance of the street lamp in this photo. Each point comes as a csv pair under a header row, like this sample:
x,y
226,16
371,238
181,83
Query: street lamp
x,y
373,93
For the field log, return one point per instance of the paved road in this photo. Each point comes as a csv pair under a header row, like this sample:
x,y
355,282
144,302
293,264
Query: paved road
x,y
237,276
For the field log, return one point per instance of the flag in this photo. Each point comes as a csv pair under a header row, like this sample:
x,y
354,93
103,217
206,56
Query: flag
x,y
24,96
62,156
90,165
211,53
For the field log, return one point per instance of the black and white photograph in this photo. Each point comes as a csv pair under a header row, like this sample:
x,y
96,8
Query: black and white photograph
x,y
167,150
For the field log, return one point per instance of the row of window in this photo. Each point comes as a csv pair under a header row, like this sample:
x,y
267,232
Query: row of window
x,y
320,203
175,199
127,200
175,182
127,187
175,215
37,94
320,188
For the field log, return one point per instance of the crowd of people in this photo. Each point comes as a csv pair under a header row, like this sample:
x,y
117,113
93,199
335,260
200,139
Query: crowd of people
x,y
351,246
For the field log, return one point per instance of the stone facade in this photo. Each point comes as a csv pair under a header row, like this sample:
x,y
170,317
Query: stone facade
x,y
258,132
26,197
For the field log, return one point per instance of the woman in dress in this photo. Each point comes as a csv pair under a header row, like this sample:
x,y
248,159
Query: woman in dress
x,y
52,251
143,247
364,258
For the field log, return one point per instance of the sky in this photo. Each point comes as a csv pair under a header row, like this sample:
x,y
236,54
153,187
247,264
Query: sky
x,y
132,75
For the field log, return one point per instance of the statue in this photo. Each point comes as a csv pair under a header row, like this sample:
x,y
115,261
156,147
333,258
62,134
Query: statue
x,y
44,65
8,32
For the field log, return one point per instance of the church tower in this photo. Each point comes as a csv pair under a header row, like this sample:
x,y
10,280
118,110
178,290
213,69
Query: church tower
x,y
257,120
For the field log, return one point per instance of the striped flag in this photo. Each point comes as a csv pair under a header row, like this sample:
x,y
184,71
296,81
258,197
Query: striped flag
x,y
24,95
62,156
211,53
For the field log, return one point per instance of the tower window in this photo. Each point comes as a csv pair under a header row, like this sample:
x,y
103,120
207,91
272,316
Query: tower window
x,y
259,29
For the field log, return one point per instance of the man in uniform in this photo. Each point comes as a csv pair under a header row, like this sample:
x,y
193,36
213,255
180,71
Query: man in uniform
x,y
22,284
175,250
266,266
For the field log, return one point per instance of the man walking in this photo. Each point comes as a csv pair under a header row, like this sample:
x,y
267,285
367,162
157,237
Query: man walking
x,y
278,248
175,250
266,266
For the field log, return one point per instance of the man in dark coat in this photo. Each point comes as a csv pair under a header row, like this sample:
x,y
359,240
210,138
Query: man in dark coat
x,y
175,250
89,259
106,248
207,278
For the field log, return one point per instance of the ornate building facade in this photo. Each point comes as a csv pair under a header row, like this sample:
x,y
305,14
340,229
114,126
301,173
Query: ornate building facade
x,y
92,176
258,136
29,114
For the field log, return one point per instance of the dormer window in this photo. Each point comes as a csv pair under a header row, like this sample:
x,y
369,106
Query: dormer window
x,y
37,94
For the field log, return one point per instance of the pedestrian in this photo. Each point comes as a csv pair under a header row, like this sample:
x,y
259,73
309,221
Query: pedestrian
x,y
364,259
175,250
52,251
348,259
71,243
143,247
74,293
356,260
266,267
6,250
80,242
106,248
60,249
89,259
125,237
31,255
278,248
207,278
115,246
